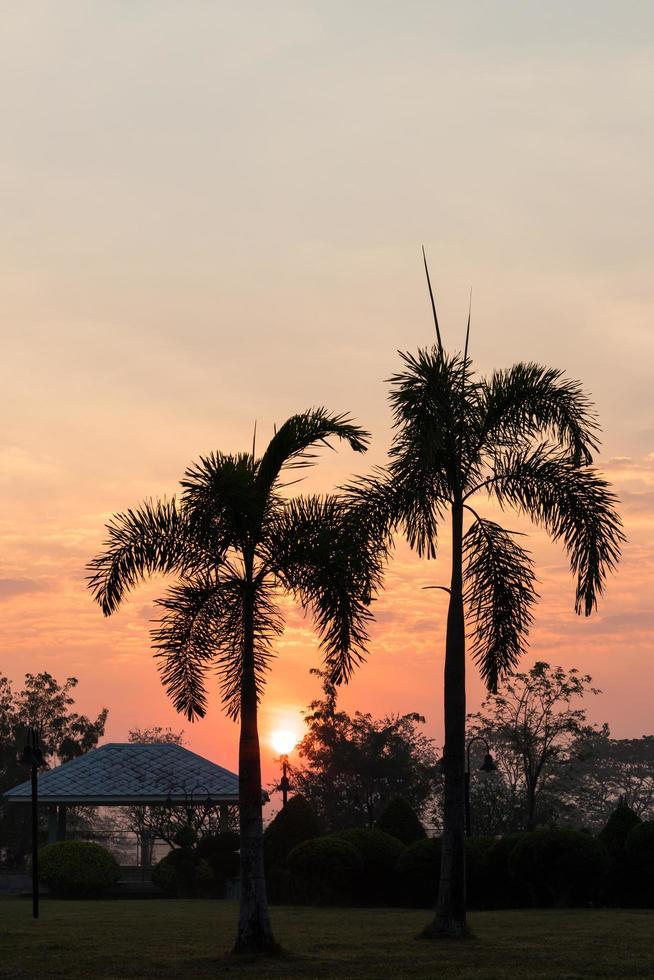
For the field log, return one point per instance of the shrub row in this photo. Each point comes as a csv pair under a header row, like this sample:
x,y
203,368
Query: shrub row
x,y
547,868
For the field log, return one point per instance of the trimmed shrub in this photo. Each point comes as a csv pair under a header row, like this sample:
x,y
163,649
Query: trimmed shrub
x,y
507,892
620,823
294,824
220,851
326,868
622,879
185,836
480,884
639,849
379,855
559,867
400,820
77,869
163,875
418,871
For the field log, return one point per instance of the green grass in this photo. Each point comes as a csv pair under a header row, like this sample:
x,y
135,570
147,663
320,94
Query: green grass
x,y
178,939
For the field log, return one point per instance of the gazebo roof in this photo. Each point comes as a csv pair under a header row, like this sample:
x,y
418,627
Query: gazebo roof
x,y
128,774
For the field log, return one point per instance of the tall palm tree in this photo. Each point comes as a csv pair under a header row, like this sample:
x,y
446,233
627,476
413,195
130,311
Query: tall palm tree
x,y
525,437
234,543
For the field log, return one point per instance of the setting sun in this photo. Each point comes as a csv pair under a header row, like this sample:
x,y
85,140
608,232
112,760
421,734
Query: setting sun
x,y
283,741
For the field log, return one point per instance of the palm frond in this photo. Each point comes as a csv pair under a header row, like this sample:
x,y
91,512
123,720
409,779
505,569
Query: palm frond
x,y
220,497
528,401
323,552
154,537
202,630
268,625
186,640
290,446
573,503
499,594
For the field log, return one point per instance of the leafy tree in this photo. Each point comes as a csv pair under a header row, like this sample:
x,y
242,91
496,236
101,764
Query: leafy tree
x,y
352,766
532,724
525,437
45,704
235,544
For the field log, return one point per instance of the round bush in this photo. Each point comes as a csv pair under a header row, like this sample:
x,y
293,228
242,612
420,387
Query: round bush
x,y
639,848
559,867
185,836
77,869
418,871
400,820
163,875
379,856
327,868
294,824
221,853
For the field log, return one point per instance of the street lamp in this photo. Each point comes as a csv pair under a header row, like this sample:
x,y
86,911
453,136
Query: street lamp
x,y
284,743
488,765
33,756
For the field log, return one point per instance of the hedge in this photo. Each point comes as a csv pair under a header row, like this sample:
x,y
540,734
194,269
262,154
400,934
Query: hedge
x,y
379,854
559,867
326,869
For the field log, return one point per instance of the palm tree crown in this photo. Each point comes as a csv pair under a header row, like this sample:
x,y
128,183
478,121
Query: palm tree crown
x,y
525,437
230,533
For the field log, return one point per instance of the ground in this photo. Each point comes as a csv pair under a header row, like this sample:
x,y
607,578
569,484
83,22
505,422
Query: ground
x,y
190,939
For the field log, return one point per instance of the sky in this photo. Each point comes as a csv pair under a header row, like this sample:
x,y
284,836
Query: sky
x,y
213,213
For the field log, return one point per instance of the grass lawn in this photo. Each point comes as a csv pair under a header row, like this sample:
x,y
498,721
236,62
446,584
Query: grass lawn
x,y
190,939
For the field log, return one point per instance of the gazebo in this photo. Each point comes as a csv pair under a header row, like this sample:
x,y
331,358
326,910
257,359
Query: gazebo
x,y
130,774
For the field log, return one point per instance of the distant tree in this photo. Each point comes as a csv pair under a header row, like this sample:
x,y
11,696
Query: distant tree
x,y
353,765
236,544
533,724
604,772
155,735
525,437
65,734
45,704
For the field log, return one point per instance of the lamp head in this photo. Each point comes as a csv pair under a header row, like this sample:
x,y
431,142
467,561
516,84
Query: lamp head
x,y
488,765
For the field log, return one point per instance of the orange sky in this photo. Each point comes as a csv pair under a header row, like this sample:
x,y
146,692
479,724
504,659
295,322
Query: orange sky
x,y
213,214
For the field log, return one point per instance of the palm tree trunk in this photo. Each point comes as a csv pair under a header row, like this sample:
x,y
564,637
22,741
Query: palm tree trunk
x,y
254,929
450,918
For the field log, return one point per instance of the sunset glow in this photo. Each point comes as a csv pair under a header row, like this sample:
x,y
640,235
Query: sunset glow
x,y
283,742
214,218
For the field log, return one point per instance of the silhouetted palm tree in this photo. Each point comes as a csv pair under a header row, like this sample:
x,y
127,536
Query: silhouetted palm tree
x,y
524,437
235,543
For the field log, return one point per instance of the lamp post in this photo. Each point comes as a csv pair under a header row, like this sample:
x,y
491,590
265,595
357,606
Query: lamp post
x,y
284,743
285,783
33,756
488,765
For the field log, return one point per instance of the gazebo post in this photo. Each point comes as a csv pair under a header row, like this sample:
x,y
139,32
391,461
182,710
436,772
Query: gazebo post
x,y
61,822
52,824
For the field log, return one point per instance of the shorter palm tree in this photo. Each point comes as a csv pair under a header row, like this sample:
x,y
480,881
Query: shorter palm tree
x,y
235,543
